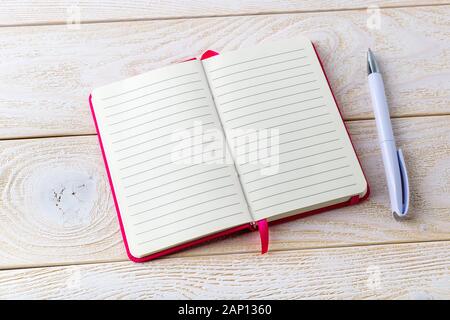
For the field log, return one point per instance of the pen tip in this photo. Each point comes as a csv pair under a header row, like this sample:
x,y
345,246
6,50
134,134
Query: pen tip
x,y
372,65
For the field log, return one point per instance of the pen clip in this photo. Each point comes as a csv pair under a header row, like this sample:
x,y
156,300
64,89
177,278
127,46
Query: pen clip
x,y
405,186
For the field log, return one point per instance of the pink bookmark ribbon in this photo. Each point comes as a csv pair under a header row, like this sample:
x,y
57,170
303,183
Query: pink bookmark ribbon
x,y
263,228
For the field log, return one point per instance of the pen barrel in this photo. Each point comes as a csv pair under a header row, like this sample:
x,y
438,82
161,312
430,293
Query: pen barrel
x,y
393,176
380,107
387,142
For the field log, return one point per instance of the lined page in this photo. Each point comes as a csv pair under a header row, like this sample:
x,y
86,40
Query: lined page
x,y
171,180
290,145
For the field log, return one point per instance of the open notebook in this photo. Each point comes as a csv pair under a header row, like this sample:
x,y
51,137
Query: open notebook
x,y
207,147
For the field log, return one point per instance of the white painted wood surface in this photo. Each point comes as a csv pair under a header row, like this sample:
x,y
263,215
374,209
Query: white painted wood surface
x,y
406,271
56,207
60,236
49,71
60,11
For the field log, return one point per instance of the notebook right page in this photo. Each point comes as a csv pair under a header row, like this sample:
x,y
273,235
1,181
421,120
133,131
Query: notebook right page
x,y
289,142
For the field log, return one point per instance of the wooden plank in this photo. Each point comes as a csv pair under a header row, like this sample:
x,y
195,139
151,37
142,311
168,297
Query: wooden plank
x,y
59,11
56,206
48,71
408,271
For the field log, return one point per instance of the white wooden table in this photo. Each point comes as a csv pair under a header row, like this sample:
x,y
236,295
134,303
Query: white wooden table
x,y
59,233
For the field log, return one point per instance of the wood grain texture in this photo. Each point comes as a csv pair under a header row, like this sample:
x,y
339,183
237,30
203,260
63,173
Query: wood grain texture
x,y
408,271
56,207
56,202
59,11
48,71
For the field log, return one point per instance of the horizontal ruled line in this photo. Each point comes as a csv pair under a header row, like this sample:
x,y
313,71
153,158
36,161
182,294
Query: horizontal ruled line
x,y
255,68
148,85
166,154
299,188
160,146
273,99
162,136
188,207
291,122
256,59
161,175
273,90
299,178
150,102
262,75
176,180
198,214
164,174
289,141
283,115
281,134
297,149
150,93
164,164
154,110
176,190
260,84
292,160
197,225
308,196
157,119
284,124
272,108
165,126
190,196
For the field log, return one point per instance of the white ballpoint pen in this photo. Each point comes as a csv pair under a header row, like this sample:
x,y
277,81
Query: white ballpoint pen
x,y
394,163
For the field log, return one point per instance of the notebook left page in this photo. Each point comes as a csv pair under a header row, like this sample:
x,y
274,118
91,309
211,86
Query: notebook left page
x,y
171,170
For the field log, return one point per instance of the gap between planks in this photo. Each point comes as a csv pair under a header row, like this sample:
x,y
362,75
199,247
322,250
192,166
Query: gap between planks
x,y
217,254
356,119
187,17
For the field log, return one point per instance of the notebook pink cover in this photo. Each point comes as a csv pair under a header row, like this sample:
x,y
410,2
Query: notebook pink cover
x,y
261,225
